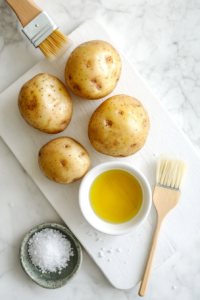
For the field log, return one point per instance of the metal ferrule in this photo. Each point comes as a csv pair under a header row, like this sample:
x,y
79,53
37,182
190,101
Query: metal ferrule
x,y
39,28
167,187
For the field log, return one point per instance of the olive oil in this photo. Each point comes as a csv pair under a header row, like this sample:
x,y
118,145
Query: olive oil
x,y
116,196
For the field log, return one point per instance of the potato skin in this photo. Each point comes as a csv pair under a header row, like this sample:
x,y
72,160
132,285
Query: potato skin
x,y
63,160
119,126
93,70
45,103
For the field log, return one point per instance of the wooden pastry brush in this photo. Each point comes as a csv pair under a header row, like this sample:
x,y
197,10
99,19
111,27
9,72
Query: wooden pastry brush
x,y
169,175
40,29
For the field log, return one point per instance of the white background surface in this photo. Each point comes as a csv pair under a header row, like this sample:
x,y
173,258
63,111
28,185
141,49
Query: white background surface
x,y
162,41
125,269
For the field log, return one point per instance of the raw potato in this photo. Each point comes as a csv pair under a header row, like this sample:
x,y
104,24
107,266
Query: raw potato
x,y
45,103
93,70
119,126
63,160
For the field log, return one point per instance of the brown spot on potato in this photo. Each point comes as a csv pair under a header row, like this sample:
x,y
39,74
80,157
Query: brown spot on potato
x,y
40,153
76,87
133,104
133,145
66,146
98,87
120,112
145,122
75,179
63,162
93,80
109,59
33,104
108,123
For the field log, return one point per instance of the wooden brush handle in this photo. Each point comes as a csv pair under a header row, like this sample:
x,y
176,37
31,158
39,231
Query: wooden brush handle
x,y
147,272
26,10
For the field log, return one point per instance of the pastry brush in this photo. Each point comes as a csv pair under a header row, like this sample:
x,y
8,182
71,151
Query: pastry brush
x,y
169,175
40,29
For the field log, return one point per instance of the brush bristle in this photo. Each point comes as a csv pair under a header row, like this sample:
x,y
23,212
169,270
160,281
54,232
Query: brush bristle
x,y
170,172
55,45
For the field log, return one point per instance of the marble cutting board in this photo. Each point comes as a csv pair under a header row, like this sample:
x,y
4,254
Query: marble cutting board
x,y
123,269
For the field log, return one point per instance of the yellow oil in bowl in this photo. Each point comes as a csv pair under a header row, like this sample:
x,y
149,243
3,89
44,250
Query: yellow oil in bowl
x,y
116,196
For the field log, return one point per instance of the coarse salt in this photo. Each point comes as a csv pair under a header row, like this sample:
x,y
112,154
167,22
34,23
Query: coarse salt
x,y
49,250
101,254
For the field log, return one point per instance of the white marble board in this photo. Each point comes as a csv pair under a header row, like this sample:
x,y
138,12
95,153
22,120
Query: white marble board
x,y
125,268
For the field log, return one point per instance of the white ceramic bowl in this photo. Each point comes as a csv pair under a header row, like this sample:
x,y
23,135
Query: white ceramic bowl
x,y
98,223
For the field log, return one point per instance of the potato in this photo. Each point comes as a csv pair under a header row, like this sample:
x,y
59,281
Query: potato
x,y
45,103
63,160
119,126
93,70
